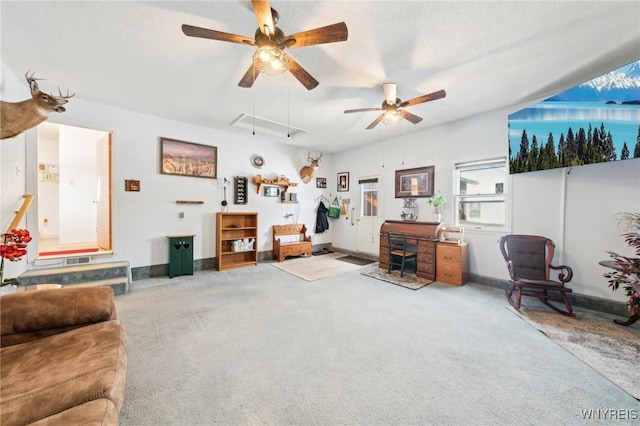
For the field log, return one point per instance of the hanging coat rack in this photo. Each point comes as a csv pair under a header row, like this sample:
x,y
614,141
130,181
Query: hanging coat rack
x,y
321,198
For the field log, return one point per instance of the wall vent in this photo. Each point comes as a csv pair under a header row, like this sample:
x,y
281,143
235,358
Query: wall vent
x,y
81,260
266,127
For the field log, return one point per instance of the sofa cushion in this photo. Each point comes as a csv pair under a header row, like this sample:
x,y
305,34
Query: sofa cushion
x,y
100,412
50,375
30,315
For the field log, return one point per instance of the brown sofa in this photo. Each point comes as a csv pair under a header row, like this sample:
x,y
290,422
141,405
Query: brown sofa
x,y
62,357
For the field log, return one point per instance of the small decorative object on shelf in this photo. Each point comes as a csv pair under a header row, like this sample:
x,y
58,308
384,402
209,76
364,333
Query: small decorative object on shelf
x,y
281,180
245,244
411,212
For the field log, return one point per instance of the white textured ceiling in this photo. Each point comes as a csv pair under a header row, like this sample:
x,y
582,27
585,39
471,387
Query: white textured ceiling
x,y
486,55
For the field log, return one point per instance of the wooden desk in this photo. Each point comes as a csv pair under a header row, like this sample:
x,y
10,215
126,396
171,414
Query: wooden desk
x,y
423,235
633,318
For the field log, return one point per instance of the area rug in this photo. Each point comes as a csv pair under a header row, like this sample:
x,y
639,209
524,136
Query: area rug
x,y
356,260
408,280
321,252
606,347
316,267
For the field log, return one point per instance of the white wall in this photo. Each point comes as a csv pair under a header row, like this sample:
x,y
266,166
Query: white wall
x,y
143,220
49,201
575,209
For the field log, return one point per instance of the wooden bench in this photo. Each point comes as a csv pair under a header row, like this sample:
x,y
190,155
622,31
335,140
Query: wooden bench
x,y
290,240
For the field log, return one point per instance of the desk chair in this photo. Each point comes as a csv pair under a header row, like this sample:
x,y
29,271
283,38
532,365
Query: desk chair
x,y
528,260
399,253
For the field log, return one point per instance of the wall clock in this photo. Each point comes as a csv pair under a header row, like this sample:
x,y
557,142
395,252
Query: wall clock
x,y
257,161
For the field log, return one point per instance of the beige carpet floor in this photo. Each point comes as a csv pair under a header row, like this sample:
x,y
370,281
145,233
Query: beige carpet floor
x,y
317,267
608,348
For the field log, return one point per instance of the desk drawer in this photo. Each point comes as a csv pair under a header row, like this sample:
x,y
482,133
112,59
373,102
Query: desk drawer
x,y
448,253
449,273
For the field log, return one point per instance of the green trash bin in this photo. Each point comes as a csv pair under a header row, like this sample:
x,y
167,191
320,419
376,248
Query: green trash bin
x,y
180,255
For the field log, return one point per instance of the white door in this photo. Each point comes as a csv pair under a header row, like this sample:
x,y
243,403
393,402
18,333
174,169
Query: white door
x,y
369,215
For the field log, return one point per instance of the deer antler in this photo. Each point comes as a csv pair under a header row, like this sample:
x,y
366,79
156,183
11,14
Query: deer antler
x,y
33,82
61,97
310,158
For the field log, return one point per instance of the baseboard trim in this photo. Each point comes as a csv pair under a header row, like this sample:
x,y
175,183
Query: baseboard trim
x,y
578,300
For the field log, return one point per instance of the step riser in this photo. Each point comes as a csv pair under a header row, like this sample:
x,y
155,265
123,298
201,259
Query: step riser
x,y
74,277
119,276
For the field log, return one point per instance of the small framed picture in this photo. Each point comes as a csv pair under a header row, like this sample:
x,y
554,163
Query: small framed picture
x,y
343,182
321,182
271,191
132,185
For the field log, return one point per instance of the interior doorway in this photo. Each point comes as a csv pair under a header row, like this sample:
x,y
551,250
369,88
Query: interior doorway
x,y
369,216
74,190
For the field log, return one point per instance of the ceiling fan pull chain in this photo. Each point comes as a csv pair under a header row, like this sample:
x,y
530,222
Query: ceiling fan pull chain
x,y
253,105
382,148
288,114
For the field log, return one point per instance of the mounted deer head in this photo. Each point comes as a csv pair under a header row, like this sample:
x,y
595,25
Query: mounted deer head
x,y
17,117
306,173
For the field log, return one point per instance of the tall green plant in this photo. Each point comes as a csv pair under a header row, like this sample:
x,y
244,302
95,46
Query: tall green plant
x,y
627,273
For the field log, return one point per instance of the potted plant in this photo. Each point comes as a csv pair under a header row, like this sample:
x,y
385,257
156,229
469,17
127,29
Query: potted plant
x,y
13,247
627,269
436,201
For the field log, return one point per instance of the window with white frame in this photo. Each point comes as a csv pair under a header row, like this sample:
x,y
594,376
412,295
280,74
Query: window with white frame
x,y
480,194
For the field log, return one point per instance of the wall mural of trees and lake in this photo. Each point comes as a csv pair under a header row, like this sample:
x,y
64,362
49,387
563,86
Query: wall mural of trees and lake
x,y
593,122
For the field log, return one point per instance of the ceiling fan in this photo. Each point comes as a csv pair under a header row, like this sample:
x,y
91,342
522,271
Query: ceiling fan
x,y
392,106
270,56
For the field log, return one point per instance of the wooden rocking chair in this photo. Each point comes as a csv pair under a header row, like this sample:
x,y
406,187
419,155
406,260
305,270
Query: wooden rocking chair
x,y
529,259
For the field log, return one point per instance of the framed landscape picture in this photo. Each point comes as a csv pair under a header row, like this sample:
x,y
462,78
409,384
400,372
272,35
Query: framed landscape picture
x,y
414,183
188,159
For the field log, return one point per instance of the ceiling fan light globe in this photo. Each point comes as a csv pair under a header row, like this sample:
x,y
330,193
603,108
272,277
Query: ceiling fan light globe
x,y
270,60
391,117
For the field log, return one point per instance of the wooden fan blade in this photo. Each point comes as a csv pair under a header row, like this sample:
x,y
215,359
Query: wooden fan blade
x,y
249,77
192,31
262,9
362,110
425,98
410,117
375,122
301,74
329,34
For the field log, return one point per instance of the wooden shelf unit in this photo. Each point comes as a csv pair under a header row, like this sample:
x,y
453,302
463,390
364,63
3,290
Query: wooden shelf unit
x,y
232,226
